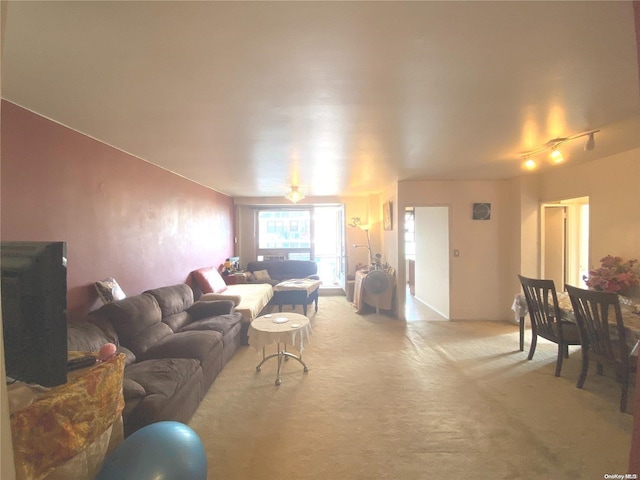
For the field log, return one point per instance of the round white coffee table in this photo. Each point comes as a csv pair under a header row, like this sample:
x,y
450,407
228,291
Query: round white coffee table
x,y
282,329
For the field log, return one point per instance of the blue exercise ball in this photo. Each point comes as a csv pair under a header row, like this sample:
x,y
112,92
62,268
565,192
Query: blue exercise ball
x,y
160,451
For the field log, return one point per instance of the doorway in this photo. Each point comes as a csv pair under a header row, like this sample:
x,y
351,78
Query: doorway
x,y
329,247
565,241
427,296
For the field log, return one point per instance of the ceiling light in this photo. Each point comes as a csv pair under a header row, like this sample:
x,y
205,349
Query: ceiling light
x,y
554,144
294,194
529,163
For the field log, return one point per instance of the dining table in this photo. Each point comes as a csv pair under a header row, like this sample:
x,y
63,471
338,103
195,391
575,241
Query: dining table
x,y
630,317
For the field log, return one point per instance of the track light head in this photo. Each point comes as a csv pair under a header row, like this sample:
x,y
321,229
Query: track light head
x,y
591,142
556,155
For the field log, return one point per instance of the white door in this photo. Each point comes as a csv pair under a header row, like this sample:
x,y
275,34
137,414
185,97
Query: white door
x,y
565,241
432,258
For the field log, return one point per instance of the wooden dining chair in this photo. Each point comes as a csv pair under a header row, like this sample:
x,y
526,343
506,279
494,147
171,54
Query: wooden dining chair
x,y
601,341
546,322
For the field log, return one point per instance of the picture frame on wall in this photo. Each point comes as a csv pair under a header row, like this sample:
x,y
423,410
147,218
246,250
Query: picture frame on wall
x,y
386,216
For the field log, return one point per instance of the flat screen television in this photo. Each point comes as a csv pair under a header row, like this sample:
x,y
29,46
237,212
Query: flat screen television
x,y
34,311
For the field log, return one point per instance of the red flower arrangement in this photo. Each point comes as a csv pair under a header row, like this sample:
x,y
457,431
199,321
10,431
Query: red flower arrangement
x,y
614,275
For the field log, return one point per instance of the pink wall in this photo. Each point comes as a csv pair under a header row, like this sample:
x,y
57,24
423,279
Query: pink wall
x,y
120,216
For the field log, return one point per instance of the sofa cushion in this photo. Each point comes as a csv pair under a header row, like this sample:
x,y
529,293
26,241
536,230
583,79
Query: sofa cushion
x,y
130,358
222,323
178,320
132,389
137,321
255,296
204,309
151,383
173,299
209,280
262,275
196,344
173,302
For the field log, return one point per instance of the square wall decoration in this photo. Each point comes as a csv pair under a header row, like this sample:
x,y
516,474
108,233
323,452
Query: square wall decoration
x,y
481,211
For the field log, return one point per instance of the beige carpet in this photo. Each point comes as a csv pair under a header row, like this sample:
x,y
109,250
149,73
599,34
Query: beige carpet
x,y
421,400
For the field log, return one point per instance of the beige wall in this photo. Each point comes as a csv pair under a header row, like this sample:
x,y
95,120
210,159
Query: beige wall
x,y
613,187
485,249
492,253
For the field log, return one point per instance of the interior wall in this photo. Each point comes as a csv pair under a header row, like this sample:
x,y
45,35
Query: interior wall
x,y
486,247
390,238
611,183
432,258
522,231
121,216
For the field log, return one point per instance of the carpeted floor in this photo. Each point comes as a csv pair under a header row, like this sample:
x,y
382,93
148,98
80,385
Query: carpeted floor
x,y
384,399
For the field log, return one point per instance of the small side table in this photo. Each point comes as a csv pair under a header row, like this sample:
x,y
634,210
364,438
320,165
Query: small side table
x,y
282,328
235,278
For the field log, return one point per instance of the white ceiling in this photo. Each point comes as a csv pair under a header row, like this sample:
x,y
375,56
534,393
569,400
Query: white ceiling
x,y
343,98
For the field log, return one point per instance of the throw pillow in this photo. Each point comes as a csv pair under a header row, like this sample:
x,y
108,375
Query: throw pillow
x,y
209,280
210,297
262,275
109,290
213,308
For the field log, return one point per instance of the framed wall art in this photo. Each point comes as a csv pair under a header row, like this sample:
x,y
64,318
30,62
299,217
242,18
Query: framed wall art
x,y
387,220
481,211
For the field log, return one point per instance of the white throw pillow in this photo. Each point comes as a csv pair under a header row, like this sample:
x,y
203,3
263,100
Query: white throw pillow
x,y
262,275
109,290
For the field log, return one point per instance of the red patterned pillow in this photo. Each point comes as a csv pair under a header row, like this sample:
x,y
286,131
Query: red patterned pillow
x,y
209,280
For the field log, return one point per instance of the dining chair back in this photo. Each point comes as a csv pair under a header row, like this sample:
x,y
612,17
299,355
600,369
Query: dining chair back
x,y
603,335
546,322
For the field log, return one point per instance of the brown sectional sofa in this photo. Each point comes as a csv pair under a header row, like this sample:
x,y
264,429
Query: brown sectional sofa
x,y
175,349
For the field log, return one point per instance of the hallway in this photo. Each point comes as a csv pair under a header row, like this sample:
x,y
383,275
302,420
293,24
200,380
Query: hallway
x,y
415,310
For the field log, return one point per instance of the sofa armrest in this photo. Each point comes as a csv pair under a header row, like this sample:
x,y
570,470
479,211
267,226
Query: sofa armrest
x,y
203,309
85,336
130,358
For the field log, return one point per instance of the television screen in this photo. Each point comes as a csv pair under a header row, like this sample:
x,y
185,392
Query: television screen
x,y
34,304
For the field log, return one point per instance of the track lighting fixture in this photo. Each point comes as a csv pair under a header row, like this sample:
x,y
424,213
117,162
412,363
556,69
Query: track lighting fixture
x,y
554,144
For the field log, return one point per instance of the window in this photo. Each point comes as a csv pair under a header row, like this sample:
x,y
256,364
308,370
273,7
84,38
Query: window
x,y
409,234
284,232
